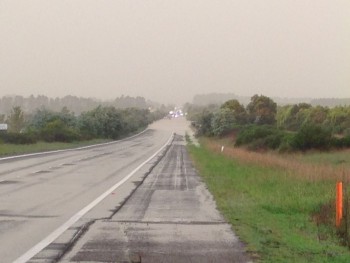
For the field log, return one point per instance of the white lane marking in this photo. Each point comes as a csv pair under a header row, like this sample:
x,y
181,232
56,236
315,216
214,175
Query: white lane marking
x,y
55,234
67,150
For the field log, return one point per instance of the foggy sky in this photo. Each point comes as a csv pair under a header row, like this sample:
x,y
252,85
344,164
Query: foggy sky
x,y
170,50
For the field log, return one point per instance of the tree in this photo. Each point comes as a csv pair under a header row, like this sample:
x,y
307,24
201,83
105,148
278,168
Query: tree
x,y
318,115
237,110
339,119
44,116
59,131
102,122
262,110
292,117
222,121
16,120
134,119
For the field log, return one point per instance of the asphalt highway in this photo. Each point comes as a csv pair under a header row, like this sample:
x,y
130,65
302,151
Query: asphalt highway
x,y
135,200
170,218
40,193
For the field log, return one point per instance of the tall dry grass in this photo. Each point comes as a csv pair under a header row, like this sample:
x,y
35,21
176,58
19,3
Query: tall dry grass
x,y
290,163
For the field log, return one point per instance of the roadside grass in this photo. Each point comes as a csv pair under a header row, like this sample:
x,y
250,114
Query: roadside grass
x,y
14,149
273,203
336,158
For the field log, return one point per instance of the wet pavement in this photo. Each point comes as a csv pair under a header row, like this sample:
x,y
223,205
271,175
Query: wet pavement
x,y
43,194
171,217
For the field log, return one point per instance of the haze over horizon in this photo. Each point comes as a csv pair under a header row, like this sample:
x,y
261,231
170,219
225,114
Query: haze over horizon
x,y
169,51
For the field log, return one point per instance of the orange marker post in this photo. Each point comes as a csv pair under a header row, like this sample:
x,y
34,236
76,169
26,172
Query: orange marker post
x,y
339,204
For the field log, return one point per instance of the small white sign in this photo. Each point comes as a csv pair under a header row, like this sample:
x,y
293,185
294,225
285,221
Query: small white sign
x,y
3,127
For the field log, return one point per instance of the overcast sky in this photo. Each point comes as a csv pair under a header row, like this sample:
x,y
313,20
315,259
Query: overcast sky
x,y
170,50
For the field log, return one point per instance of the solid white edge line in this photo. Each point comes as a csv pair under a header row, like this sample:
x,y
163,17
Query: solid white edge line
x,y
55,234
71,149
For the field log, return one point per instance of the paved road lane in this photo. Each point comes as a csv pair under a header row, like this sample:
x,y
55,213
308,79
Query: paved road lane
x,y
39,193
171,217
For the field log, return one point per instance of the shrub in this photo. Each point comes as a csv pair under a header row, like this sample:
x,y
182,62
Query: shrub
x,y
18,138
102,122
264,137
254,132
347,132
340,142
204,124
287,143
57,131
274,141
222,122
312,137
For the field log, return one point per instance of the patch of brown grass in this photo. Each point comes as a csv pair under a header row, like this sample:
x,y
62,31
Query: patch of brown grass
x,y
289,163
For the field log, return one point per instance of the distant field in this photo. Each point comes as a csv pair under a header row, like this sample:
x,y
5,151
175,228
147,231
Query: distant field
x,y
12,149
280,206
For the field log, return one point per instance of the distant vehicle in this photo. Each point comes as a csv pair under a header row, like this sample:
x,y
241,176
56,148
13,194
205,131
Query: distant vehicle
x,y
175,113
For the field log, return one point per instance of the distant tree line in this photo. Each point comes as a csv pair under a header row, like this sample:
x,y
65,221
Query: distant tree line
x,y
75,104
262,124
219,98
105,122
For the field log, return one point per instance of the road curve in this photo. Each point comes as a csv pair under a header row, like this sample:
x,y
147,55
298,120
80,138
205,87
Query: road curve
x,y
39,193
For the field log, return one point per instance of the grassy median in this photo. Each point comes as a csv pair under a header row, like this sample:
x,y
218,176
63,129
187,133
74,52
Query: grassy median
x,y
280,207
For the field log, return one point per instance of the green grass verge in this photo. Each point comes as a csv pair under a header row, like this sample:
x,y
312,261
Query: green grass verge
x,y
270,210
13,149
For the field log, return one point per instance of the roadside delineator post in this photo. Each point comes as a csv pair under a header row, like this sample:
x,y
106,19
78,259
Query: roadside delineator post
x,y
339,204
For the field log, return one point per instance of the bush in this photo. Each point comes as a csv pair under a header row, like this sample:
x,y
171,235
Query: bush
x,y
308,137
222,122
274,141
57,131
254,132
264,137
18,138
287,143
347,132
312,137
102,122
204,124
340,142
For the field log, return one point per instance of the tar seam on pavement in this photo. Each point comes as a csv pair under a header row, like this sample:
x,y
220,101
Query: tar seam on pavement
x,y
170,217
